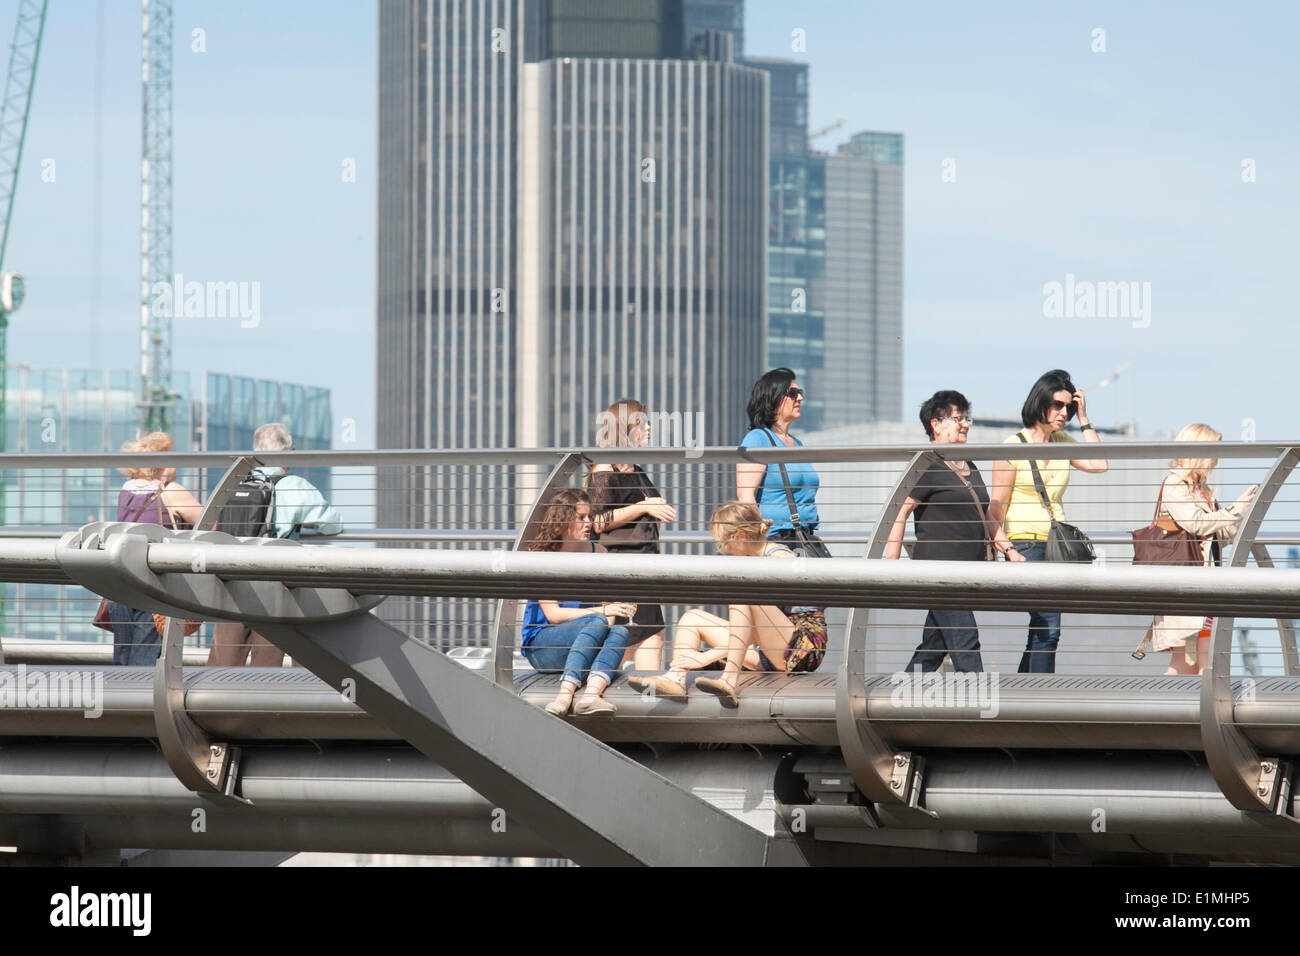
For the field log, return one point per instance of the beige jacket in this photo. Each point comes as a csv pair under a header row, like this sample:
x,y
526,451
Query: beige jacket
x,y
1192,513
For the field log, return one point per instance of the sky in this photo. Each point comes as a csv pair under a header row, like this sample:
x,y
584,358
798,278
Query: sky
x,y
1111,157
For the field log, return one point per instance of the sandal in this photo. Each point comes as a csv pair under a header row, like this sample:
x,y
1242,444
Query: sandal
x,y
659,685
719,688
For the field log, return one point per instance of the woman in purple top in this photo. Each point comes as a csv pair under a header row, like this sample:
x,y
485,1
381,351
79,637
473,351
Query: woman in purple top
x,y
149,496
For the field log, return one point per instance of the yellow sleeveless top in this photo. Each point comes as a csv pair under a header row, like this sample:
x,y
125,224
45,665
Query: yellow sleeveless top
x,y
1026,518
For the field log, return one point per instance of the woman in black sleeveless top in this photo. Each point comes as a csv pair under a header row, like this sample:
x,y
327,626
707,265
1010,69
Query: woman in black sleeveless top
x,y
626,510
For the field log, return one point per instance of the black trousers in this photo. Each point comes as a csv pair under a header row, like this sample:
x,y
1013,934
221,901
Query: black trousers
x,y
948,632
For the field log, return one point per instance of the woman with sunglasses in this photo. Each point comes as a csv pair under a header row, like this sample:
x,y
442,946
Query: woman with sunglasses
x,y
949,504
775,403
1015,504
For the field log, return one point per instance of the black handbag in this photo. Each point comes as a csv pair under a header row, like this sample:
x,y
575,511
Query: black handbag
x,y
1065,542
802,541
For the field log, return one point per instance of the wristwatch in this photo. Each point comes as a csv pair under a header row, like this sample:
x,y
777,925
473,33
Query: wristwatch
x,y
1084,428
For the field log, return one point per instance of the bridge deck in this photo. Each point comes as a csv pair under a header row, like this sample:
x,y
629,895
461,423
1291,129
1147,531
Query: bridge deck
x,y
1019,711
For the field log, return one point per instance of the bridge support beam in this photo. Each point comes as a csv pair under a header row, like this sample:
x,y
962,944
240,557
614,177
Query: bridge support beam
x,y
584,798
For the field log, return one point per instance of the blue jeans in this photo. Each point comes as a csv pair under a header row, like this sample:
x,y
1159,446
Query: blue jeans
x,y
1044,626
135,639
583,646
952,633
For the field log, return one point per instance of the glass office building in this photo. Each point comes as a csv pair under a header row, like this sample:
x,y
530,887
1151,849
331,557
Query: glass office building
x,y
96,410
861,289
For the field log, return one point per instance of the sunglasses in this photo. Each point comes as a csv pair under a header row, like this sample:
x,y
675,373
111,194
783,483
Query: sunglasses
x,y
795,393
1070,407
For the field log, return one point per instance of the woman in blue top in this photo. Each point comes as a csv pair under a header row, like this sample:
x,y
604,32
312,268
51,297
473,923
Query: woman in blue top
x,y
775,403
582,643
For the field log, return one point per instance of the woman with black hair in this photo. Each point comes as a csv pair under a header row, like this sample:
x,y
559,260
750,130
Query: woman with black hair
x,y
1015,503
949,504
775,403
784,494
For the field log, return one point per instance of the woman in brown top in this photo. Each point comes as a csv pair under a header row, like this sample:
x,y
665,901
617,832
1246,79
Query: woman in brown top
x,y
626,510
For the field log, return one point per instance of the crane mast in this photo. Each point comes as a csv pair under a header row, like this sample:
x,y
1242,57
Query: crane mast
x,y
14,111
157,298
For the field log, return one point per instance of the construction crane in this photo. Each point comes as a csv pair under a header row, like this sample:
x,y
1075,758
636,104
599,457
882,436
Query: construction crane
x,y
14,111
156,396
815,134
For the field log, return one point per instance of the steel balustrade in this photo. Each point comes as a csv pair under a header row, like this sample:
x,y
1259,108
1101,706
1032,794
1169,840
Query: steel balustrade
x,y
884,775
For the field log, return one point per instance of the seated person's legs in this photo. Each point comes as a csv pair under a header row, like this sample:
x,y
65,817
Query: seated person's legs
x,y
265,654
230,644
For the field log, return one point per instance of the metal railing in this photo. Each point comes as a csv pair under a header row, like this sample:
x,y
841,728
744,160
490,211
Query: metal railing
x,y
861,492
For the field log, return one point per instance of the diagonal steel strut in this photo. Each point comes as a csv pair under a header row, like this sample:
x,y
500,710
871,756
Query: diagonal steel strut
x,y
583,797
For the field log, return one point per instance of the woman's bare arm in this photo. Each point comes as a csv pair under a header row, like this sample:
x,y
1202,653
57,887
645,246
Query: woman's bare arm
x,y
894,546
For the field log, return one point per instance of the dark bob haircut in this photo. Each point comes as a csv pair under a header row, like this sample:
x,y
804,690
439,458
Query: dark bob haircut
x,y
1034,411
765,397
940,404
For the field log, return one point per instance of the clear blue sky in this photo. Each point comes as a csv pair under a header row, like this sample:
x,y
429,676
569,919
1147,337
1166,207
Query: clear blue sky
x,y
1122,165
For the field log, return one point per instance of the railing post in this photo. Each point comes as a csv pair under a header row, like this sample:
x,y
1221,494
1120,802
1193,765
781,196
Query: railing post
x,y
1248,781
506,627
205,766
1285,630
882,775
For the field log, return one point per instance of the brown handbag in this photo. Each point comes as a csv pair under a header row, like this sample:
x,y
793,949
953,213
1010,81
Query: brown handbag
x,y
1156,544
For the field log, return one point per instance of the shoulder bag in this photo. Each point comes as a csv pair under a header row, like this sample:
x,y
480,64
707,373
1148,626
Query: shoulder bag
x,y
1155,544
1065,542
805,542
979,509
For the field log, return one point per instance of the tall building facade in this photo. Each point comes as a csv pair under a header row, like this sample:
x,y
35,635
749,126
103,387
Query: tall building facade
x,y
796,237
861,291
642,219
569,212
701,17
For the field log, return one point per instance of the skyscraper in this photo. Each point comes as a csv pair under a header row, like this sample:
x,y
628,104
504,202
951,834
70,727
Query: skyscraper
x,y
861,290
641,217
796,237
725,16
557,228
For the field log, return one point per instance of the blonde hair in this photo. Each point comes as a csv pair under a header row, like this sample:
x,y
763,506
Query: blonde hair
x,y
1195,471
619,422
738,519
151,443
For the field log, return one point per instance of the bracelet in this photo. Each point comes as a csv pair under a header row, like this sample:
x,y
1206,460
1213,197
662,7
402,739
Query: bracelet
x,y
1084,428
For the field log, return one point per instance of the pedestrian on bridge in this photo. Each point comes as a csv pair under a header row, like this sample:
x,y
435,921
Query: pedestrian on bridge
x,y
950,507
626,511
563,637
1186,502
753,637
149,496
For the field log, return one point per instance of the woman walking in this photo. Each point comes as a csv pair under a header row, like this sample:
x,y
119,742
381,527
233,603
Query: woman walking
x,y
149,496
1016,504
1187,501
949,504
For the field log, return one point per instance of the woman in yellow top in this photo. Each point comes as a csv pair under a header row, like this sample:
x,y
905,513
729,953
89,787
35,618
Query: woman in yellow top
x,y
1014,501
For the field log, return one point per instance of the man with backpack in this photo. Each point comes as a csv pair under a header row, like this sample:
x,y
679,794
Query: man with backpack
x,y
274,504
